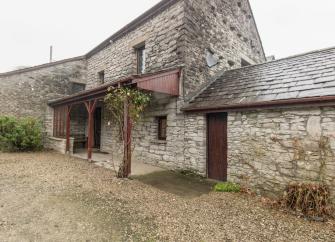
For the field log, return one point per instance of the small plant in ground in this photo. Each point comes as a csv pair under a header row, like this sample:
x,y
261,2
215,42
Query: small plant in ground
x,y
227,187
310,200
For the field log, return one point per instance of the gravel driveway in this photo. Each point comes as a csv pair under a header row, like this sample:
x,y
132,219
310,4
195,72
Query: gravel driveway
x,y
50,197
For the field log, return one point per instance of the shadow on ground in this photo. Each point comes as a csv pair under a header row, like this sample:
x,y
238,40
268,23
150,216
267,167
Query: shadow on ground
x,y
176,183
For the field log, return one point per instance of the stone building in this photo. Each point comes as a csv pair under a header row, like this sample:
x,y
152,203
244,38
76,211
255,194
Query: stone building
x,y
218,107
26,92
274,121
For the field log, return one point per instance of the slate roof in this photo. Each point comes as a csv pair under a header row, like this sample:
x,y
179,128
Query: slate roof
x,y
298,77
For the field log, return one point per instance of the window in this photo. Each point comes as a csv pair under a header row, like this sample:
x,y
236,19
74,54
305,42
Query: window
x,y
101,76
77,87
162,125
140,52
244,63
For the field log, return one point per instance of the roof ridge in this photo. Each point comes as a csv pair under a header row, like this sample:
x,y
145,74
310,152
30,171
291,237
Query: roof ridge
x,y
44,65
282,59
156,9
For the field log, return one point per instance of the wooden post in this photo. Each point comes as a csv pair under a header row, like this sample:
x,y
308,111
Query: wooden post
x,y
90,106
127,139
90,134
68,128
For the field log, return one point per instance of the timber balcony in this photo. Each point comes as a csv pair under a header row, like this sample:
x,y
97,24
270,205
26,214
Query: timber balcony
x,y
164,82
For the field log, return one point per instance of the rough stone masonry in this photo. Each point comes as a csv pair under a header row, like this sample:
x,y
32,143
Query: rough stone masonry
x,y
270,149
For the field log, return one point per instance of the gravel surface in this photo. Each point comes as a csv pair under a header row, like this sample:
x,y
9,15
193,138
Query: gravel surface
x,y
50,197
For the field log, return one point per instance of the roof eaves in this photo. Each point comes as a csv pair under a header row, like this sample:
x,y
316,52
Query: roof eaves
x,y
318,101
157,9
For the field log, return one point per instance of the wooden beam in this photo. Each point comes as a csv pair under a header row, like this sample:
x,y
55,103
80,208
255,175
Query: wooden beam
x,y
127,126
68,127
90,106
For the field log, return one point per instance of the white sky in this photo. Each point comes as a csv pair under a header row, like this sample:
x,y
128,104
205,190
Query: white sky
x,y
74,27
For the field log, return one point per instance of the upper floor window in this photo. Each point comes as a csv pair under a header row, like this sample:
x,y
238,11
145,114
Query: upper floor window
x,y
101,76
140,52
77,87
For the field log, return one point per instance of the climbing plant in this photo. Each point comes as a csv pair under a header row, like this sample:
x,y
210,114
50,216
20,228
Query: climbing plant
x,y
116,100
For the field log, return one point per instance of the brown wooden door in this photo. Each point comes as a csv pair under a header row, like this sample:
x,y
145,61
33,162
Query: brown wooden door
x,y
97,128
217,146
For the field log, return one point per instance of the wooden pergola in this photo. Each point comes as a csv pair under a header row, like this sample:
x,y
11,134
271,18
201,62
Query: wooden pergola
x,y
166,82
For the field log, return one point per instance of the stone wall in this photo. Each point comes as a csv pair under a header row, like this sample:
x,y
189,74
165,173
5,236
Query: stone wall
x,y
163,42
178,36
169,153
161,35
269,149
226,28
58,144
195,143
185,147
79,121
147,147
26,92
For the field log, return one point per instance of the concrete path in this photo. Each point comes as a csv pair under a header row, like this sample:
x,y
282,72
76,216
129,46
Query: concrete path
x,y
105,160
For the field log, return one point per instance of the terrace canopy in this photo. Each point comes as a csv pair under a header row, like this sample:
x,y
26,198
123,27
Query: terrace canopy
x,y
166,82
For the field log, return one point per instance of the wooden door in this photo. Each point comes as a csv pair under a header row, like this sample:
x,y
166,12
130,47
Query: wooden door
x,y
217,146
97,128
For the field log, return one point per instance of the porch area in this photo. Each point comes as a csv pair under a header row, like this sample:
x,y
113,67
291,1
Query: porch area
x,y
80,124
104,159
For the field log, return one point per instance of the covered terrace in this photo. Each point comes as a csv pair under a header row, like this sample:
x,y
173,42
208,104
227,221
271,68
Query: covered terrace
x,y
87,104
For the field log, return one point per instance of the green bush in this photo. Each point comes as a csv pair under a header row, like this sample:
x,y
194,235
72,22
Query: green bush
x,y
23,134
227,187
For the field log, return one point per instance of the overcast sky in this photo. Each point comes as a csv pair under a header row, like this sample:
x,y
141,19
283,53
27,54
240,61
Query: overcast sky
x,y
74,27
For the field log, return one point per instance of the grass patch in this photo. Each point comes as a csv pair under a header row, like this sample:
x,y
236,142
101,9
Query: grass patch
x,y
227,187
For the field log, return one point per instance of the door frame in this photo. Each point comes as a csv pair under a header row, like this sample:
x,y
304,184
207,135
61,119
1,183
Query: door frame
x,y
95,126
207,141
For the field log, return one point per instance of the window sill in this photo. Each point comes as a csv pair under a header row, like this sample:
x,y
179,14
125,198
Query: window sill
x,y
159,142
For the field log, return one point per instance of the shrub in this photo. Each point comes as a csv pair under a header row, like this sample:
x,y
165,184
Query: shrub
x,y
311,200
20,134
227,187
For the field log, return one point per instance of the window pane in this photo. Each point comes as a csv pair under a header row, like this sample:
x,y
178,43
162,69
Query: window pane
x,y
162,128
141,60
101,75
77,87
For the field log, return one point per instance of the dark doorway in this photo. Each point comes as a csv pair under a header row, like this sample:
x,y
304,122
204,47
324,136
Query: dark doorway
x,y
97,128
217,164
